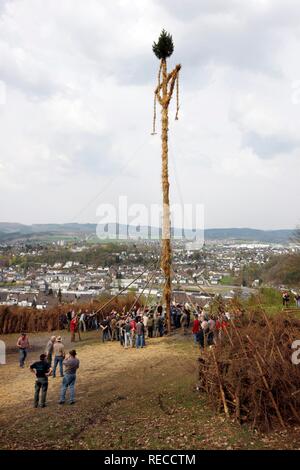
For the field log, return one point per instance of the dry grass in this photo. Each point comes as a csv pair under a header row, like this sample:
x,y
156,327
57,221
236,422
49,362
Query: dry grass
x,y
125,399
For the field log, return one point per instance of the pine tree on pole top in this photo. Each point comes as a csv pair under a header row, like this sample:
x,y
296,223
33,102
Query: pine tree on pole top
x,y
164,47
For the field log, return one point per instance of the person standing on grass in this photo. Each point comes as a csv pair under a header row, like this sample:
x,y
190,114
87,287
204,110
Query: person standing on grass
x,y
71,364
195,329
121,331
23,345
77,328
211,331
127,335
143,333
200,337
156,323
285,299
81,323
74,328
150,324
139,334
113,327
132,329
187,310
145,321
59,355
183,322
69,318
178,316
221,325
162,325
49,349
42,370
104,328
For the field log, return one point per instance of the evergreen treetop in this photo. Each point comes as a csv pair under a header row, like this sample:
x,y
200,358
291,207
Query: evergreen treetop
x,y
164,47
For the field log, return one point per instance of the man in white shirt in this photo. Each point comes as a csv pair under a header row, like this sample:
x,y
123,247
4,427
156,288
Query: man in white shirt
x,y
145,322
82,322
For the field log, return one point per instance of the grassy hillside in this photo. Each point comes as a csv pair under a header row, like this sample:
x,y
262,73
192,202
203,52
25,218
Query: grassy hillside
x,y
283,270
280,270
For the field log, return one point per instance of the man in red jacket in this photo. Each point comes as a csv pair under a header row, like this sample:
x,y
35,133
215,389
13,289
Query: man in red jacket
x,y
221,325
196,329
73,327
132,330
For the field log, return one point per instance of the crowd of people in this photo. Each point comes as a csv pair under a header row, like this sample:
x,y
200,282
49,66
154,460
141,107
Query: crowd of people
x,y
286,298
131,329
54,353
87,321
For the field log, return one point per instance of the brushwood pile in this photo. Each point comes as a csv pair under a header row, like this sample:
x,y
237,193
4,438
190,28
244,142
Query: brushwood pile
x,y
252,373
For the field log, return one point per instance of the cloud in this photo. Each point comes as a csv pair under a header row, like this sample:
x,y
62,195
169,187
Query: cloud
x,y
268,146
77,116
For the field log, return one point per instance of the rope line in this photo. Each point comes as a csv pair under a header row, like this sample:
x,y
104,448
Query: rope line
x,y
125,288
141,293
93,199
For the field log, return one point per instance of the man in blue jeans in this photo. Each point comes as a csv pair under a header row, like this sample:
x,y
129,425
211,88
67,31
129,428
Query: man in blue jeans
x,y
23,345
139,334
42,370
59,355
71,364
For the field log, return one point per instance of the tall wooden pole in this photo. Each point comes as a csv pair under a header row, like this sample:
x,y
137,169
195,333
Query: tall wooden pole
x,y
166,231
163,94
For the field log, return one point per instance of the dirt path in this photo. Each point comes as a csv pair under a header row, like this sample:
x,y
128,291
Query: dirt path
x,y
125,399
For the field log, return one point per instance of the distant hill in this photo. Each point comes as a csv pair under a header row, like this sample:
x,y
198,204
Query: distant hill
x,y
283,270
14,231
249,234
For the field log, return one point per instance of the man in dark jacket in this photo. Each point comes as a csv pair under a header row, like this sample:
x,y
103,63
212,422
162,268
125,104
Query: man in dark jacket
x,y
42,370
139,334
150,325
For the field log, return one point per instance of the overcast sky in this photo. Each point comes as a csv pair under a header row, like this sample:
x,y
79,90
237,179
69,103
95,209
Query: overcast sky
x,y
76,105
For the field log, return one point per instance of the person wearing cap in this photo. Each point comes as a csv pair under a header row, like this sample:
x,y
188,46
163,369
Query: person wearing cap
x,y
23,345
184,321
71,364
139,343
150,325
42,370
59,355
49,349
127,335
178,316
